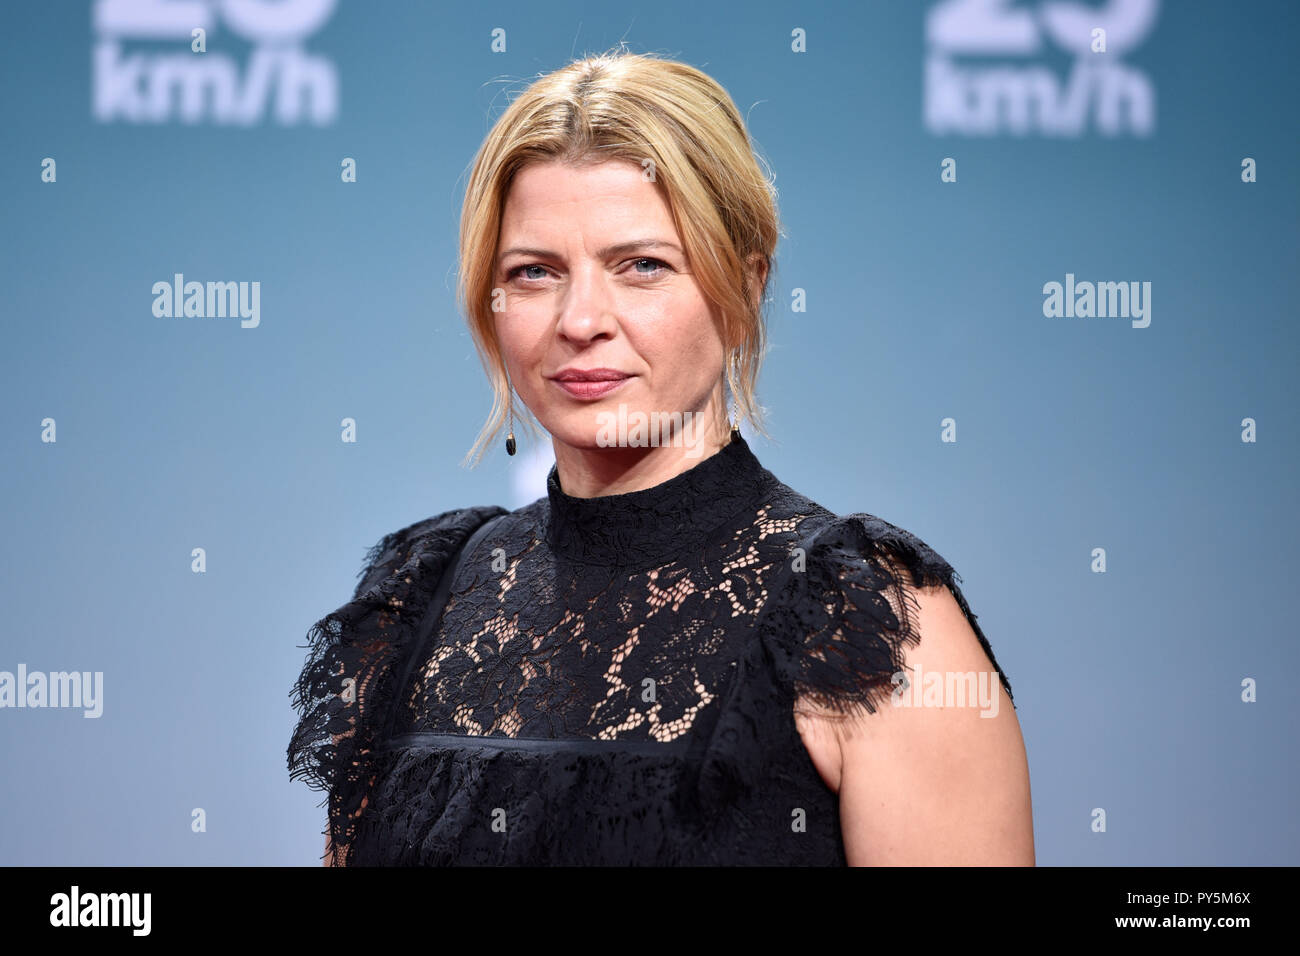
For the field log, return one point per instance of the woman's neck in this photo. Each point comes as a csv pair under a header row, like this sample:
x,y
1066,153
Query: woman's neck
x,y
622,468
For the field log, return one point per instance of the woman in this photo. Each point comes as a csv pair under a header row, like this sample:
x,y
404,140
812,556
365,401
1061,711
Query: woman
x,y
673,657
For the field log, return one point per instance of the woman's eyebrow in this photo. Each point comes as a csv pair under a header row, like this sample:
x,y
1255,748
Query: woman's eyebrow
x,y
635,245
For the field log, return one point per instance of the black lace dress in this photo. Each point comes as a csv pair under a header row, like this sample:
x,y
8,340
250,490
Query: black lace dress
x,y
613,678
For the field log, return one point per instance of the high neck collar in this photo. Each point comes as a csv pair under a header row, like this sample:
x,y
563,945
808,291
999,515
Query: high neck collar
x,y
656,524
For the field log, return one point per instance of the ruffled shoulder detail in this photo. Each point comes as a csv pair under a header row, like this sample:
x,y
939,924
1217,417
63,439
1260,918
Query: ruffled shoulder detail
x,y
348,684
839,632
835,630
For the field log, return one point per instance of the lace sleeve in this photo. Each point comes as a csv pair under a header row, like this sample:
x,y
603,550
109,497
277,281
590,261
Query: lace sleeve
x,y
347,684
834,632
840,635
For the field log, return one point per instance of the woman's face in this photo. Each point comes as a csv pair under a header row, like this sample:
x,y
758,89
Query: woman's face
x,y
595,276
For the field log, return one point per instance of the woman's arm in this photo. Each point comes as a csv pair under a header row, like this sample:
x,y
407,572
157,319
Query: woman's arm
x,y
943,783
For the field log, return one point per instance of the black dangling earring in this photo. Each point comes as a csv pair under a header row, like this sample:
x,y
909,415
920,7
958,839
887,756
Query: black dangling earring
x,y
510,437
735,423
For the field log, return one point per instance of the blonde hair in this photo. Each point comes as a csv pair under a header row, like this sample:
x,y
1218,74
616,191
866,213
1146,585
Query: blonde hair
x,y
683,126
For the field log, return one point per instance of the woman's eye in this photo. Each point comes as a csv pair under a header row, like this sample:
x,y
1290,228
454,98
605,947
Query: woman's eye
x,y
662,266
657,268
514,272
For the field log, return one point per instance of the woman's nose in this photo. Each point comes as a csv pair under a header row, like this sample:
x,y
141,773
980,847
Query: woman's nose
x,y
586,309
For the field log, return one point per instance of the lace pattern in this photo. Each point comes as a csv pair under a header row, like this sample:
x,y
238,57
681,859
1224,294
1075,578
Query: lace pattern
x,y
345,688
613,679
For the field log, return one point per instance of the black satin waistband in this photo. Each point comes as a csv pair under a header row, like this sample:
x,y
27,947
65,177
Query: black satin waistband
x,y
535,744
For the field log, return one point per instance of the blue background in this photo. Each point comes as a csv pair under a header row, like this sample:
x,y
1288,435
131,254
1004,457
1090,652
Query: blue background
x,y
924,302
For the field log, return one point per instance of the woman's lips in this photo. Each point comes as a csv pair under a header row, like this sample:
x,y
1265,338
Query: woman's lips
x,y
590,389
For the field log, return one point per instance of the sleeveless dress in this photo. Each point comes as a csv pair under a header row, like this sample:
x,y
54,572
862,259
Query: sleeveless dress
x,y
613,678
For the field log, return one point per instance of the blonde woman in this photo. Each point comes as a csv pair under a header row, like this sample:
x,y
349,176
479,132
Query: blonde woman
x,y
672,658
